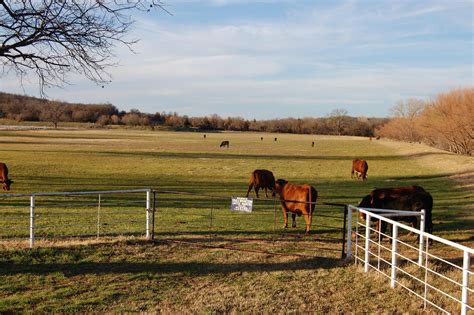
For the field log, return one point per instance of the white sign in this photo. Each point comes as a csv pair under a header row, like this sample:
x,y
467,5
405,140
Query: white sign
x,y
241,204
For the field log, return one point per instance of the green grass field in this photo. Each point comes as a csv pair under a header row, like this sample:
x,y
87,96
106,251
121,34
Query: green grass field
x,y
205,259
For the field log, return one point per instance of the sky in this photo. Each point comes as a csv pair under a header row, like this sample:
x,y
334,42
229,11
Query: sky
x,y
265,59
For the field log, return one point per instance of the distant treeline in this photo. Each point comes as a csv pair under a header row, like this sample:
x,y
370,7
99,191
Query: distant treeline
x,y
24,108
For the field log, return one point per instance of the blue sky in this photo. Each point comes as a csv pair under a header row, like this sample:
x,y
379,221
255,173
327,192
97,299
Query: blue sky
x,y
284,58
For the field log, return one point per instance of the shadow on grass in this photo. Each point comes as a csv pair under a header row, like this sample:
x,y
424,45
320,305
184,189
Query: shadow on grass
x,y
226,155
32,264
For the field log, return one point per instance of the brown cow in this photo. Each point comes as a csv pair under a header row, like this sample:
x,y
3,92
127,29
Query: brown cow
x,y
224,143
296,199
261,179
4,177
359,167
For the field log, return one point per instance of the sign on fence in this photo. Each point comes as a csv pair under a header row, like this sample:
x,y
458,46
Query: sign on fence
x,y
241,204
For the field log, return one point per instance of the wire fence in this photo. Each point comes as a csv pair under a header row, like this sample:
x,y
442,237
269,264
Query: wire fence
x,y
207,219
170,215
50,216
435,270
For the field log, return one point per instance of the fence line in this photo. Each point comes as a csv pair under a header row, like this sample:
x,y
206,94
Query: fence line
x,y
398,260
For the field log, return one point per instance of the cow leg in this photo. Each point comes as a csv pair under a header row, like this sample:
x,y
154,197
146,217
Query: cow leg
x,y
293,216
285,217
248,190
256,191
266,192
307,219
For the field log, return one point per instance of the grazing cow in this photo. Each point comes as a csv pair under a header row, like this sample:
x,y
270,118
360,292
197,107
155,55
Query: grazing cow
x,y
224,143
312,144
261,179
378,138
410,198
4,176
261,138
359,167
204,136
299,195
275,138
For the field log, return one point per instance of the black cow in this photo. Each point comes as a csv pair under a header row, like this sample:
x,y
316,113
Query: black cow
x,y
224,143
409,198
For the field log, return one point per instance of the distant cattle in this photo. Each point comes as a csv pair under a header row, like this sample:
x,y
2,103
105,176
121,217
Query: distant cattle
x,y
378,138
360,168
275,138
204,136
261,138
261,179
6,182
297,199
312,144
224,143
410,198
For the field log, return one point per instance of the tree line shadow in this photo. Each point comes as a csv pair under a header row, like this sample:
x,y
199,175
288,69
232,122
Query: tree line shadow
x,y
227,155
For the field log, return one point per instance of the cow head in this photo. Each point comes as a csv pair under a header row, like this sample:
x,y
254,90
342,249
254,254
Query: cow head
x,y
366,202
6,184
279,184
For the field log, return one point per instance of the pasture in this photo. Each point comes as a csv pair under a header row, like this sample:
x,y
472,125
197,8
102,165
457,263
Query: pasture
x,y
187,268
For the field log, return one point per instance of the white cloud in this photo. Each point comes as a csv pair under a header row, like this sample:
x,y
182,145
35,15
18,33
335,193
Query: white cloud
x,y
350,55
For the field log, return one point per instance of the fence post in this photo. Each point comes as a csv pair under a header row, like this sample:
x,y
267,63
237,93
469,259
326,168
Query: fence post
x,y
422,229
349,231
465,282
394,255
32,221
367,243
153,216
98,219
148,193
356,248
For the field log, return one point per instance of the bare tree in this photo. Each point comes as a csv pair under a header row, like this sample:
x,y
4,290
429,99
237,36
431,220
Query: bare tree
x,y
338,119
409,109
404,124
53,38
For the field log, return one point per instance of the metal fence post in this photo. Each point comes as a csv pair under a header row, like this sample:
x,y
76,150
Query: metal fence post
x,y
32,221
349,231
148,193
356,254
367,243
394,255
465,282
422,229
153,216
98,218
